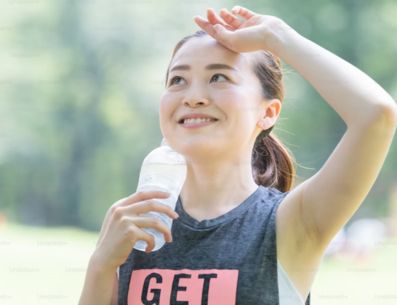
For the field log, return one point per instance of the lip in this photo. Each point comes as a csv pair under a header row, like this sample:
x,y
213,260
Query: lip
x,y
195,116
197,125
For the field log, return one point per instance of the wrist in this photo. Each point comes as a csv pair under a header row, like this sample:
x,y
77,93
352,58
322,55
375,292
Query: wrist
x,y
276,35
100,265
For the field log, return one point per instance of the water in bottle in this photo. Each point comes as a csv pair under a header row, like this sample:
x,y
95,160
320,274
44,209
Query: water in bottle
x,y
163,169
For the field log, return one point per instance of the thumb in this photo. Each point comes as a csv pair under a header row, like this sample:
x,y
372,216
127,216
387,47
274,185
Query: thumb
x,y
223,35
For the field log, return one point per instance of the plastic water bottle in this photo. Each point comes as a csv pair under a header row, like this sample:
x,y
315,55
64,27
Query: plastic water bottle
x,y
163,169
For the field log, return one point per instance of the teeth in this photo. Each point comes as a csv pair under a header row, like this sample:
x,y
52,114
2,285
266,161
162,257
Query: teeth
x,y
196,121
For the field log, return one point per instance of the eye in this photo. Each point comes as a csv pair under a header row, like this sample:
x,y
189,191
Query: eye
x,y
173,80
219,74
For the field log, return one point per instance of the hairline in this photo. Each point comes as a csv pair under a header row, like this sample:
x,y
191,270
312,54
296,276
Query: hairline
x,y
251,57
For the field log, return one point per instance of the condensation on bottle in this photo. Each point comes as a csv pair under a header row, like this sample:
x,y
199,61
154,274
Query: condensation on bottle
x,y
163,169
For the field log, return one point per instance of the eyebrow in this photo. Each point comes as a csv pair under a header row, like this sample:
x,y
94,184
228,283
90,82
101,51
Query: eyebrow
x,y
208,67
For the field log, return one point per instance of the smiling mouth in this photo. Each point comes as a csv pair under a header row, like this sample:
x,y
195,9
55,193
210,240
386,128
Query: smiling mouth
x,y
193,123
194,120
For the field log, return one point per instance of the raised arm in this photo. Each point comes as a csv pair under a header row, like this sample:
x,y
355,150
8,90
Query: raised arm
x,y
315,210
334,193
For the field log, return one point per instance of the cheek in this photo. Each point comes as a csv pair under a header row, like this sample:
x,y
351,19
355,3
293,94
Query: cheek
x,y
167,101
239,103
163,120
228,100
243,110
165,112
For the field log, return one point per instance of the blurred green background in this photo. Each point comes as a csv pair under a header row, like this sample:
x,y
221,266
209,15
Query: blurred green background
x,y
80,84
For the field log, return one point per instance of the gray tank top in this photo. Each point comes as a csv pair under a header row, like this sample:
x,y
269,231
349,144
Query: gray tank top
x,y
227,260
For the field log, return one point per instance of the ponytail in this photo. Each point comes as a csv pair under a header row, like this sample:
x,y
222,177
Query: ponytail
x,y
272,163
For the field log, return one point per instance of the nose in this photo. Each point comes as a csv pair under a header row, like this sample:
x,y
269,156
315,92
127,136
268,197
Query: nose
x,y
195,102
195,99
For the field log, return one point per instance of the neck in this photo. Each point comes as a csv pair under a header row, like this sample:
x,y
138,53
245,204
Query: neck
x,y
211,190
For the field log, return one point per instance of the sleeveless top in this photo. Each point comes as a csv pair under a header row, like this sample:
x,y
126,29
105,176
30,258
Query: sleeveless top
x,y
227,260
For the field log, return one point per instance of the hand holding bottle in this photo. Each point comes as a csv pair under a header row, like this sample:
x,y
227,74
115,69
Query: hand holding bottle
x,y
163,169
123,224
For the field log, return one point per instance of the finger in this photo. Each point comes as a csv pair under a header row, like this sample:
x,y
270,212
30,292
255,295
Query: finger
x,y
230,18
213,17
225,37
148,206
209,28
142,196
205,26
243,12
153,223
132,199
244,40
148,238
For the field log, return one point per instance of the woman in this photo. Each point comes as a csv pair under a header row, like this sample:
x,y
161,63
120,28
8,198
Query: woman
x,y
244,235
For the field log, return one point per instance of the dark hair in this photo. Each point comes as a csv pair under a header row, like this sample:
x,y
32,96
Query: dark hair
x,y
272,163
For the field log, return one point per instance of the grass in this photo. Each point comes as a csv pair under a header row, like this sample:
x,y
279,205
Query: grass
x,y
47,266
43,266
371,281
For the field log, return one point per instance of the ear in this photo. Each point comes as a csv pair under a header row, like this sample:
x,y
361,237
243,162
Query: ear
x,y
270,114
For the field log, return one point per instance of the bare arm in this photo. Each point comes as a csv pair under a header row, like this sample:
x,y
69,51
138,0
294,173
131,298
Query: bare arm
x,y
317,209
328,199
100,286
356,97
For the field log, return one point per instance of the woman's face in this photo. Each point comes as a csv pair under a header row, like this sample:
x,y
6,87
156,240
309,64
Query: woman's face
x,y
209,80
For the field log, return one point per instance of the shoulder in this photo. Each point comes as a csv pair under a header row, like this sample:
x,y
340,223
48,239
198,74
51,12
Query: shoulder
x,y
272,195
276,193
267,203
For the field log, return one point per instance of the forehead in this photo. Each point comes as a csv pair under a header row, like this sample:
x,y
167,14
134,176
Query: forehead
x,y
200,51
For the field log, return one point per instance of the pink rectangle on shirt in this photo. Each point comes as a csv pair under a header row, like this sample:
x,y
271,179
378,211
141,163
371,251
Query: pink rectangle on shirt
x,y
186,286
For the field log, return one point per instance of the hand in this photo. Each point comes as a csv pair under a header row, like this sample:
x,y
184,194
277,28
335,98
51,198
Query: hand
x,y
255,32
122,225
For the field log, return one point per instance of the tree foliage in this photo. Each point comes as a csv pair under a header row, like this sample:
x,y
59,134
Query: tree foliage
x,y
80,84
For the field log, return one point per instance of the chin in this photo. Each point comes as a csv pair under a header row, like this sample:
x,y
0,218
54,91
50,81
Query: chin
x,y
197,148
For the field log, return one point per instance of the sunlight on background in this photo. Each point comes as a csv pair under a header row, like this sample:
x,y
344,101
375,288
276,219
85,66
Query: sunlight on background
x,y
79,89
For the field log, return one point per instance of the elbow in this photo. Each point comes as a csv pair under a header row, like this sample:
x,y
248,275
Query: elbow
x,y
385,115
394,112
388,114
383,119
